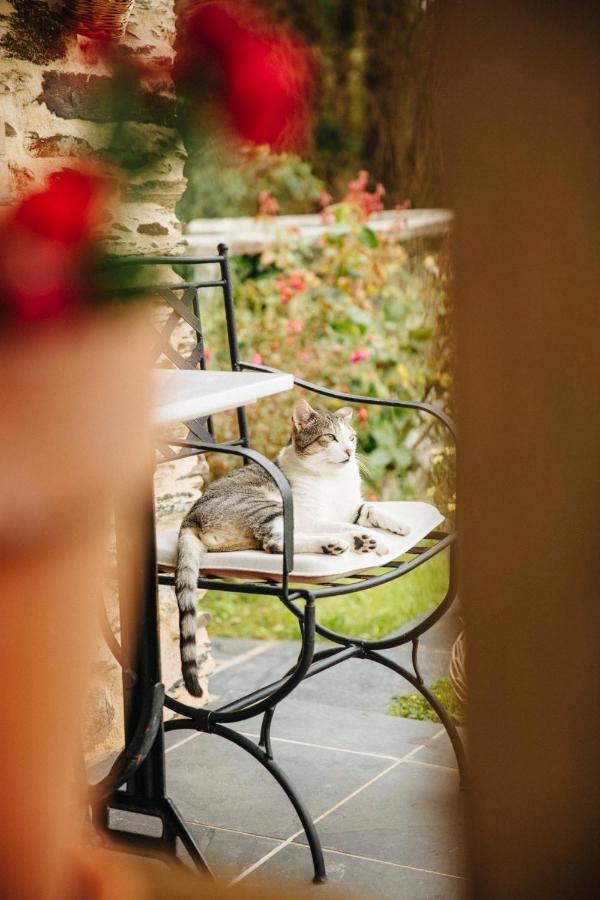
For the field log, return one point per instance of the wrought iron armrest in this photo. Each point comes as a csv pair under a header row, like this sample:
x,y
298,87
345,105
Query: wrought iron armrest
x,y
438,414
277,476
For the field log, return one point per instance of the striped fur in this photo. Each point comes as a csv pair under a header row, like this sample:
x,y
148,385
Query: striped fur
x,y
189,548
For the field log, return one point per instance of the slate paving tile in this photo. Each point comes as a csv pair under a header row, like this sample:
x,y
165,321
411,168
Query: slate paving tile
x,y
227,648
439,751
360,878
229,853
343,728
354,684
252,673
215,783
414,815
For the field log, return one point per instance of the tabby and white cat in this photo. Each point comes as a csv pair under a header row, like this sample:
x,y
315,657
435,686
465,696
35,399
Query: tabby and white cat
x,y
243,510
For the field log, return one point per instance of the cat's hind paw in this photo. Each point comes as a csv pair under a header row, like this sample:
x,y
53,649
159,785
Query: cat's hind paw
x,y
366,543
335,547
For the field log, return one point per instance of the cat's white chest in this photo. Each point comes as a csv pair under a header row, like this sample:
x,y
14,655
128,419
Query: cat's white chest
x,y
333,498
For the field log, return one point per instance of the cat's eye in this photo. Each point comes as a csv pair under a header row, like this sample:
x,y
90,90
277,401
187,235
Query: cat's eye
x,y
330,437
352,437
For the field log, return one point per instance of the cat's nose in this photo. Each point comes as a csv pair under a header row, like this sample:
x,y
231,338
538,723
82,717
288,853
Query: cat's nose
x,y
348,451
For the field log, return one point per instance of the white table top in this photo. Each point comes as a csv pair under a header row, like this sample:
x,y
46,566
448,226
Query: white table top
x,y
184,394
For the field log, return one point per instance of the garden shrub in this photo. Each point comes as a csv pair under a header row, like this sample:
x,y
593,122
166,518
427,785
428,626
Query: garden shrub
x,y
357,312
228,181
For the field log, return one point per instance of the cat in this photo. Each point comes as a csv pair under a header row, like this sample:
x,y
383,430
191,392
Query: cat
x,y
243,510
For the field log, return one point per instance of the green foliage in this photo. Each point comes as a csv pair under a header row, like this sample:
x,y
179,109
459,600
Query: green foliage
x,y
228,181
372,614
356,312
415,706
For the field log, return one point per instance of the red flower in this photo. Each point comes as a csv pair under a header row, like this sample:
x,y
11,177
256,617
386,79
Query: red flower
x,y
256,359
45,247
363,414
265,72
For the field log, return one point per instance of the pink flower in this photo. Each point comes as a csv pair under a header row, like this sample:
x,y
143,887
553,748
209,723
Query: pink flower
x,y
303,355
256,359
267,204
337,348
358,194
360,182
285,293
294,327
296,281
359,355
208,354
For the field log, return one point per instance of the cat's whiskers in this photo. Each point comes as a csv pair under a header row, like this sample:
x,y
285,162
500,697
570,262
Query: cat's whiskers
x,y
363,468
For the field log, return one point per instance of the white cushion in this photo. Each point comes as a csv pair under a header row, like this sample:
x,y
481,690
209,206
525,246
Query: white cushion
x,y
422,517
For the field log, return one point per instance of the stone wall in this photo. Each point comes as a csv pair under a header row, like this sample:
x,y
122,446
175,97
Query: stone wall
x,y
54,107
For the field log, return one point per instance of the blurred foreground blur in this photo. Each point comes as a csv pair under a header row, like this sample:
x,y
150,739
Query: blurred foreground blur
x,y
520,130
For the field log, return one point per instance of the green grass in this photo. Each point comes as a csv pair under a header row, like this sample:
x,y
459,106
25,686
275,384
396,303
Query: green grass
x,y
415,706
369,614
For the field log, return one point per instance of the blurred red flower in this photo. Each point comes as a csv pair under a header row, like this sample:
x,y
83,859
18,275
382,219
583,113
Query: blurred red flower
x,y
45,247
265,71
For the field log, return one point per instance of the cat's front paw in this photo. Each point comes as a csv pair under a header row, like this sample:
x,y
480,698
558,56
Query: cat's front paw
x,y
335,547
366,543
397,527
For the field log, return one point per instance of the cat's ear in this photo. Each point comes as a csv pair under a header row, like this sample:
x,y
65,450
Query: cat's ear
x,y
345,413
303,414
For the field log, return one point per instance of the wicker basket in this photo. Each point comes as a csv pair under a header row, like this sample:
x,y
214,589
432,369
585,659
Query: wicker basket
x,y
458,677
98,18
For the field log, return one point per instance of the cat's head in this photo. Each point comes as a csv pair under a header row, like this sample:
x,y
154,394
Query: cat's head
x,y
322,438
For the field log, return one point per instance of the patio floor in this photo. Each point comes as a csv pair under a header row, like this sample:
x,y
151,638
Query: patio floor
x,y
383,790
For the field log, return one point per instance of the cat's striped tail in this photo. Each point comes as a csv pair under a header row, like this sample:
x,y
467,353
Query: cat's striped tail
x,y
189,550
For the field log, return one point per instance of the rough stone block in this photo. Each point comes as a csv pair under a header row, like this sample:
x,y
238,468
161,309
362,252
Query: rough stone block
x,y
73,95
57,145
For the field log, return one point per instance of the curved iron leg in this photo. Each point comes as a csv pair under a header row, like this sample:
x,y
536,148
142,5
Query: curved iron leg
x,y
415,661
303,814
174,827
265,732
433,701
